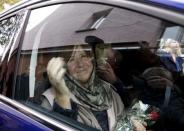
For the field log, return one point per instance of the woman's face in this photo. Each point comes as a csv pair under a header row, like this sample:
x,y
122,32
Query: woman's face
x,y
80,65
174,47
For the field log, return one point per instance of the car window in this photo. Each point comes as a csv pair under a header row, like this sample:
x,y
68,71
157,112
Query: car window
x,y
100,65
9,29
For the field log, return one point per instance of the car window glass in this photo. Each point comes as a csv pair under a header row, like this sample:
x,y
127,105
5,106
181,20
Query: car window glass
x,y
9,29
91,62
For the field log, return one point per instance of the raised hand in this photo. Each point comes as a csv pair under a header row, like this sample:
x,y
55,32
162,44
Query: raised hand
x,y
106,72
56,71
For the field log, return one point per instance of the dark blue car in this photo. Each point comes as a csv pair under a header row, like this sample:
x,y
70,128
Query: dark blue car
x,y
132,45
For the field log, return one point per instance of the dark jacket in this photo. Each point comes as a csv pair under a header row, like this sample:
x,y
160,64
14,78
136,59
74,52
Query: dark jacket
x,y
170,64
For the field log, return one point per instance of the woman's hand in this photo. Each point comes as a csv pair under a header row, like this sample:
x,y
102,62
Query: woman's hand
x,y
106,72
56,71
137,125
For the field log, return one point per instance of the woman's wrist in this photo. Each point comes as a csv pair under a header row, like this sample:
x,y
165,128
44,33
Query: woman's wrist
x,y
63,101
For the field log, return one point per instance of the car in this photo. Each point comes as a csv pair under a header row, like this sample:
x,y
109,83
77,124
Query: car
x,y
132,40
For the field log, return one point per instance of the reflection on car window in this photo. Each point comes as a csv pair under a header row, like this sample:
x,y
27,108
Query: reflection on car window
x,y
111,78
9,29
171,55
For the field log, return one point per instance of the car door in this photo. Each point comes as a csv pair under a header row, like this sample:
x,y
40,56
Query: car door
x,y
11,119
134,37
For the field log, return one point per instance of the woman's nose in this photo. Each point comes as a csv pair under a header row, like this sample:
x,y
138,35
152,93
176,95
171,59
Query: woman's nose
x,y
79,62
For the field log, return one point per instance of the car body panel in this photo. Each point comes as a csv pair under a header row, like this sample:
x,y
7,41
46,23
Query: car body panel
x,y
178,4
11,119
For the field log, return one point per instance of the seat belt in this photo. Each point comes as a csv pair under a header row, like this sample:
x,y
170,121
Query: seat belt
x,y
167,96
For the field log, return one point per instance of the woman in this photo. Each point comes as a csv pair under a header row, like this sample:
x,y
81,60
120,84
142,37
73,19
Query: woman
x,y
78,90
170,55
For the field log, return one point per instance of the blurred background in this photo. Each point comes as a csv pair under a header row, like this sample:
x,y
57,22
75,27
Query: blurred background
x,y
5,4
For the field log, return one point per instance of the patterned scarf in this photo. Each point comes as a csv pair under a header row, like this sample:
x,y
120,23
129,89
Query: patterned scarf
x,y
94,95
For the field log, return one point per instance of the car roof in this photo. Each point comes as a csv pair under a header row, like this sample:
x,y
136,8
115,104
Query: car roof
x,y
169,4
150,7
174,4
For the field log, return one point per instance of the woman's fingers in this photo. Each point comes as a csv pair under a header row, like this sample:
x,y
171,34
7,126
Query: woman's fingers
x,y
137,125
61,73
56,72
50,66
56,66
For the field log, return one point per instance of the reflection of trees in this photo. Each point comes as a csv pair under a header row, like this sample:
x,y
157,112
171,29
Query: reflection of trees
x,y
6,30
9,27
10,2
